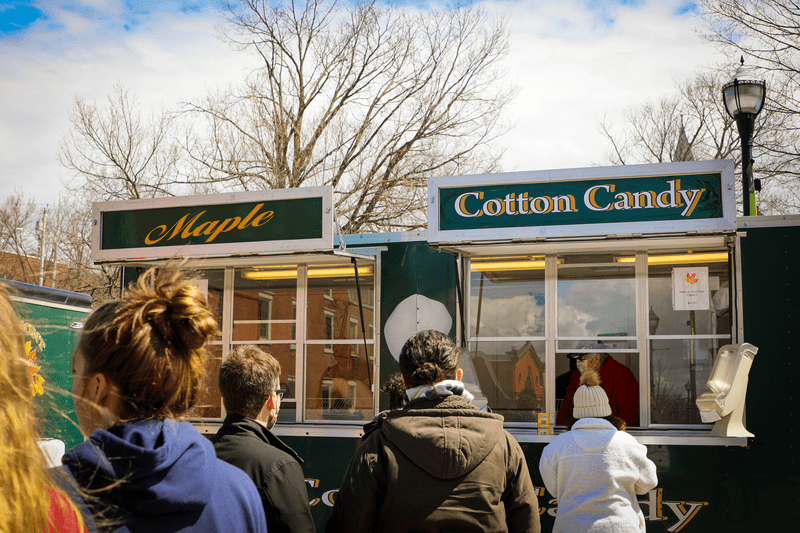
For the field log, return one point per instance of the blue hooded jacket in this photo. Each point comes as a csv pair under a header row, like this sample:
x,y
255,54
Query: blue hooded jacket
x,y
163,476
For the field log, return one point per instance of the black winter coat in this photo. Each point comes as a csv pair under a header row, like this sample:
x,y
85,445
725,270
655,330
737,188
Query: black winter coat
x,y
274,468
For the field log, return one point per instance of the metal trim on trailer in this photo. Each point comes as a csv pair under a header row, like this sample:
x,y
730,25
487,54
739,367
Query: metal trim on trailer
x,y
545,247
48,303
768,221
38,294
644,436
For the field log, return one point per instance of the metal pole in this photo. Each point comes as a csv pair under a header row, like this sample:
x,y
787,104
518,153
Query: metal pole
x,y
745,123
41,247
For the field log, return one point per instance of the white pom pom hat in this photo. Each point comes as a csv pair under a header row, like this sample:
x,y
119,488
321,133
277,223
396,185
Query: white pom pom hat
x,y
590,400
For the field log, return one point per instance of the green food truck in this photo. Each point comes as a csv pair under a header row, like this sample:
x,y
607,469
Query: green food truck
x,y
51,320
647,264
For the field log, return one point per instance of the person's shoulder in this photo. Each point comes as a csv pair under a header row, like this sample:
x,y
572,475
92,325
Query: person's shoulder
x,y
231,479
245,448
626,441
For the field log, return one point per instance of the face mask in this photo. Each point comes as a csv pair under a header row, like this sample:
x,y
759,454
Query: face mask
x,y
583,366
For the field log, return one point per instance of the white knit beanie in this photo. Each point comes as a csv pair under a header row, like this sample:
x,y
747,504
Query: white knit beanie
x,y
590,400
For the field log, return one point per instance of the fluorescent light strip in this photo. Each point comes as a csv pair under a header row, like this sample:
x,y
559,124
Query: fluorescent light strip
x,y
501,266
681,259
290,273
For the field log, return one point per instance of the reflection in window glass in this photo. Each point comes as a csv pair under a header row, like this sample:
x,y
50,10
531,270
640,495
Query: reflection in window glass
x,y
678,373
508,376
263,309
210,404
681,364
665,320
507,297
338,384
216,283
596,299
339,375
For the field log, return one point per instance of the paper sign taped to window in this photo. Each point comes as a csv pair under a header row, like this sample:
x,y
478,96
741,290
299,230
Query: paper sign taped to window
x,y
690,289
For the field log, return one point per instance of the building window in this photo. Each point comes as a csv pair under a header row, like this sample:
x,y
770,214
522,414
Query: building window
x,y
354,335
264,314
329,325
327,393
352,387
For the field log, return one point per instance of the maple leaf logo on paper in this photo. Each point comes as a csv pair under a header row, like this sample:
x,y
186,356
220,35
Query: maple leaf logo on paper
x,y
691,278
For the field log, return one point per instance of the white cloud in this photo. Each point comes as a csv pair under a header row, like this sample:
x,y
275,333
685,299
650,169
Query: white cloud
x,y
517,316
168,58
574,64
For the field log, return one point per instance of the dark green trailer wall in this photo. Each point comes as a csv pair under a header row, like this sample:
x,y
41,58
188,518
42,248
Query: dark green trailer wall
x,y
768,474
407,268
52,320
701,488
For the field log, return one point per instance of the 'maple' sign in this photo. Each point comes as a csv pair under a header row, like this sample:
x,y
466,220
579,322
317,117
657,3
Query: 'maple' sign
x,y
260,222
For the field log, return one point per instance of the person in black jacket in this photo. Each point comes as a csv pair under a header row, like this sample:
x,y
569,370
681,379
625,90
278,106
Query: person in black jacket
x,y
249,381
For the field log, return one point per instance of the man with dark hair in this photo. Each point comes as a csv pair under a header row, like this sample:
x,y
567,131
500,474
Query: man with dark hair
x,y
249,381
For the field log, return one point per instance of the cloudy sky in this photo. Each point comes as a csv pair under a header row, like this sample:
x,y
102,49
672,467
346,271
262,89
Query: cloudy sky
x,y
575,61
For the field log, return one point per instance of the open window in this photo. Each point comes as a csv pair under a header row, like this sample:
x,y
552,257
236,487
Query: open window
x,y
528,311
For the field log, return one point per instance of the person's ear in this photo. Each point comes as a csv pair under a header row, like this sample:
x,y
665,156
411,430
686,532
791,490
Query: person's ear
x,y
405,383
96,388
459,374
271,402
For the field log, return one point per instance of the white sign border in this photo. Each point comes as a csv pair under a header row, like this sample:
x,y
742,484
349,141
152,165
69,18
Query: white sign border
x,y
726,223
324,243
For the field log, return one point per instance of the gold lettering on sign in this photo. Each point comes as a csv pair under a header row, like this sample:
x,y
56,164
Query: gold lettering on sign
x,y
185,226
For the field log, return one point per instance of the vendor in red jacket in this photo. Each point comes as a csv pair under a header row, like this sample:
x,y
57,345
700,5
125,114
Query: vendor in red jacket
x,y
618,382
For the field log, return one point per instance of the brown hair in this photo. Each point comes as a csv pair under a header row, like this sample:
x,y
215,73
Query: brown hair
x,y
23,470
151,344
395,389
428,357
246,379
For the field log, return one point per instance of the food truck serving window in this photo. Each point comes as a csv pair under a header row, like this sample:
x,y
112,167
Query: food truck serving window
x,y
307,316
661,314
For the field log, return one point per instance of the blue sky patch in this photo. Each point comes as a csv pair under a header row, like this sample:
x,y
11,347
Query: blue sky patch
x,y
17,16
687,8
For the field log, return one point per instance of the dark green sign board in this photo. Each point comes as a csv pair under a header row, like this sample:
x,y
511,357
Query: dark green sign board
x,y
278,220
558,203
695,196
231,224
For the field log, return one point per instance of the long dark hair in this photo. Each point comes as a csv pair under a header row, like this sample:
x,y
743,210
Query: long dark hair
x,y
428,357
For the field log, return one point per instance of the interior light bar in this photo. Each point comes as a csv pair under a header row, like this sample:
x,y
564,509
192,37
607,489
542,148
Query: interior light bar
x,y
319,271
680,259
502,266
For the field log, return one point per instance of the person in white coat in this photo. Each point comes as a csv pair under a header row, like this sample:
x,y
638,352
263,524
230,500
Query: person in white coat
x,y
595,469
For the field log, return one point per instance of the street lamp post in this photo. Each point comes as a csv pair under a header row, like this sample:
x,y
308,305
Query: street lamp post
x,y
744,97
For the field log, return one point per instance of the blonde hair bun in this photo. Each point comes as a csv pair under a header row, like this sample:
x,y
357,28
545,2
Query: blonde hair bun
x,y
590,378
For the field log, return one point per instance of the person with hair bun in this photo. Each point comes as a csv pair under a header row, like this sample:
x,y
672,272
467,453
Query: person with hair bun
x,y
439,463
140,364
595,469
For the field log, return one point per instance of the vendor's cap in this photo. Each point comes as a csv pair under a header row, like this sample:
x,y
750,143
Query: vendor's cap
x,y
590,400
